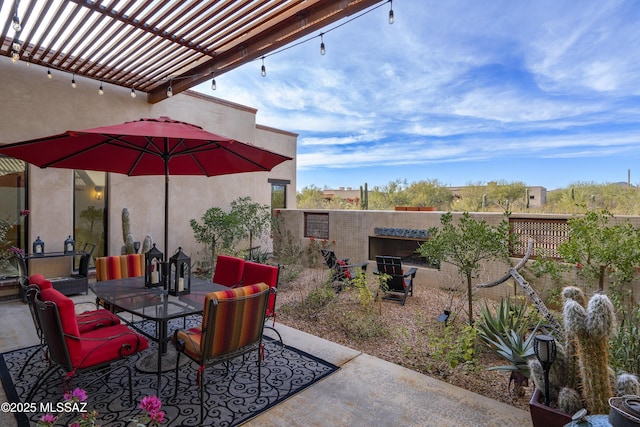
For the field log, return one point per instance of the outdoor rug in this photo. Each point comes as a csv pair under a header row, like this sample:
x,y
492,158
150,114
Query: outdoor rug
x,y
230,398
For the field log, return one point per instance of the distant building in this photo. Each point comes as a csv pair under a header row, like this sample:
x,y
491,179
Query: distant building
x,y
537,195
346,193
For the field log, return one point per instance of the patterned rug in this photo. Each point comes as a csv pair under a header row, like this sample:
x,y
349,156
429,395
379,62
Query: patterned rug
x,y
231,395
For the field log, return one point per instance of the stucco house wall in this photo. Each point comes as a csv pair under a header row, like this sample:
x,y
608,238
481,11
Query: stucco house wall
x,y
34,106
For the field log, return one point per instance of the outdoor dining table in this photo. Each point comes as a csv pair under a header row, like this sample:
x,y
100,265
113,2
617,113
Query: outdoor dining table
x,y
130,295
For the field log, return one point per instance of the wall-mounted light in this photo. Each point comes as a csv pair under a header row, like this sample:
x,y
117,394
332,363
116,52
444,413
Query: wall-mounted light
x,y
99,192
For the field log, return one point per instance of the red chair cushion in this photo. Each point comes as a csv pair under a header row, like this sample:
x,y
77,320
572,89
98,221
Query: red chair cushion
x,y
94,319
66,310
40,281
228,271
261,273
107,344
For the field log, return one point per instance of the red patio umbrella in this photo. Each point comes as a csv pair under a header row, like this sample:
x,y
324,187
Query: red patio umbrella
x,y
159,146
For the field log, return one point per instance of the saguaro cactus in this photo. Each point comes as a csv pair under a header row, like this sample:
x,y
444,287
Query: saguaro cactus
x,y
129,242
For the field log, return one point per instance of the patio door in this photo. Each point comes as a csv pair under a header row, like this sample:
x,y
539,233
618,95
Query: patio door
x,y
90,210
13,209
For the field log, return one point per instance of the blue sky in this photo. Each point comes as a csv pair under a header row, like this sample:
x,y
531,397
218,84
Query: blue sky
x,y
543,92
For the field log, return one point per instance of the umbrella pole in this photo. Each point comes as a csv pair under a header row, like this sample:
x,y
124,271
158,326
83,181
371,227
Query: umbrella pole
x,y
166,208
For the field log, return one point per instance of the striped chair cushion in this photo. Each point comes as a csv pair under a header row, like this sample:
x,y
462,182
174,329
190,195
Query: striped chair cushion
x,y
119,266
237,322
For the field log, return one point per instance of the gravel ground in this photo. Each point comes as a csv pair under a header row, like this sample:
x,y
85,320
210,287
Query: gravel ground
x,y
407,341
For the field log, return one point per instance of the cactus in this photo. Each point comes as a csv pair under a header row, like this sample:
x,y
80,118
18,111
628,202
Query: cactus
x,y
583,359
589,329
129,242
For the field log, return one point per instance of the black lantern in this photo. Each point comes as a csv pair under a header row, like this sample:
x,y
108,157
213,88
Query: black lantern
x,y
545,348
153,274
38,247
69,246
179,274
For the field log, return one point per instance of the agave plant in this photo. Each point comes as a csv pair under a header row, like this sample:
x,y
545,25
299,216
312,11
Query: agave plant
x,y
505,333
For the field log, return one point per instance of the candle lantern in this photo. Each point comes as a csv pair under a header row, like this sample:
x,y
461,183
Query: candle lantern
x,y
179,274
69,246
153,275
38,247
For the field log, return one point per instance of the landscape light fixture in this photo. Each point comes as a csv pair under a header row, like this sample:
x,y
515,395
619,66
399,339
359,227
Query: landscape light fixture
x,y
544,347
444,317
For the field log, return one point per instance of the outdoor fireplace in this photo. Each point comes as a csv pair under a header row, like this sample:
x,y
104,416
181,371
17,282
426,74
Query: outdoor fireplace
x,y
402,242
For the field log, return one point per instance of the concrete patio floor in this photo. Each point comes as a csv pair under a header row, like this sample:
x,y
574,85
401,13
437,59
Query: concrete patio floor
x,y
366,391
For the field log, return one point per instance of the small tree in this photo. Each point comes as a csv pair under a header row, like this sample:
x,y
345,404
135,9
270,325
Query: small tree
x,y
216,231
465,245
253,219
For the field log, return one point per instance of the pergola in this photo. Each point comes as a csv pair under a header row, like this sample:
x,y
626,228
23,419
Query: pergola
x,y
151,45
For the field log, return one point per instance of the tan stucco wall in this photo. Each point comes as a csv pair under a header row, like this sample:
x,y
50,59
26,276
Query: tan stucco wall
x,y
349,232
33,106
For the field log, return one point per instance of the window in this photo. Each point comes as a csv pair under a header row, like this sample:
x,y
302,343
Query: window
x,y
278,193
89,210
13,208
316,225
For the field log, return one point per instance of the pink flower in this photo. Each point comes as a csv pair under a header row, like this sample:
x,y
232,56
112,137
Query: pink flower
x,y
157,416
77,395
151,404
47,420
24,212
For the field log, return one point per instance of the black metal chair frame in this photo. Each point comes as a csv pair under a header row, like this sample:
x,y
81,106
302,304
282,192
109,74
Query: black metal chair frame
x,y
397,284
340,266
205,362
54,337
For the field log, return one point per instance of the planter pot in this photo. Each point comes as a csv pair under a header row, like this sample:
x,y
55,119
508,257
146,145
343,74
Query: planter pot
x,y
546,416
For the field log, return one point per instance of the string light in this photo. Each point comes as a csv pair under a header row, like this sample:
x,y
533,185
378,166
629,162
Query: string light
x,y
15,51
73,81
16,20
263,69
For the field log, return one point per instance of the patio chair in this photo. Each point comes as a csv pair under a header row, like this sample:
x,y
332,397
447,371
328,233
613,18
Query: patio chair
x,y
76,353
232,326
118,267
228,271
342,270
253,273
398,284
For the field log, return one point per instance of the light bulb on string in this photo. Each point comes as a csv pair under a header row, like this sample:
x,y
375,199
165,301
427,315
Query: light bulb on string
x,y
133,92
101,90
263,70
49,75
169,91
73,82
391,17
16,22
322,49
213,83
